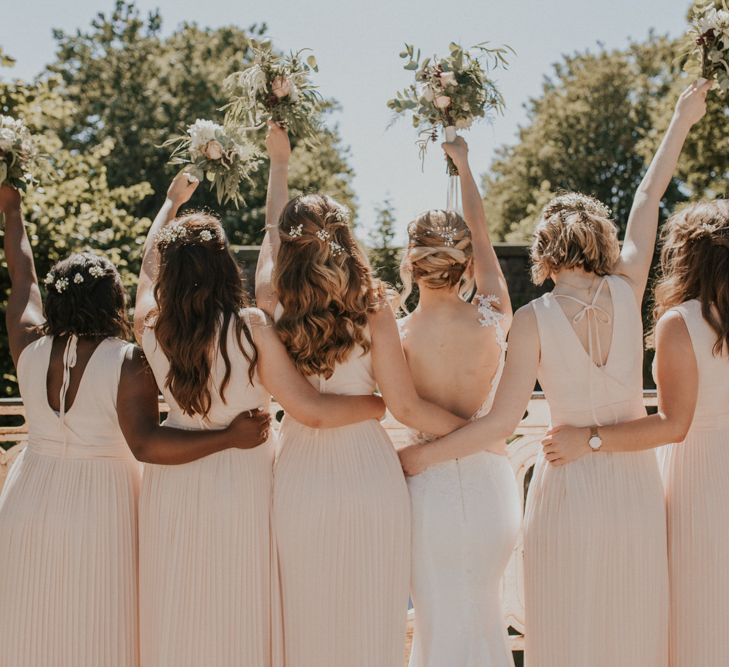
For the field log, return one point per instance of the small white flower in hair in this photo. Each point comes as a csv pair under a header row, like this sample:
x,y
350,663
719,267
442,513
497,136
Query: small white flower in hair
x,y
296,232
706,227
78,279
206,235
61,284
323,235
336,248
49,279
96,271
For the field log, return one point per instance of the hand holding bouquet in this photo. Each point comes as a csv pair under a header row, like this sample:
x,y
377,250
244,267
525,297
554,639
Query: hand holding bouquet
x,y
19,157
220,153
450,92
276,88
707,45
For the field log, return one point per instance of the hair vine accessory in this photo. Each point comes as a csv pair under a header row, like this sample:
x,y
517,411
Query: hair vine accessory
x,y
323,235
96,271
172,234
447,233
336,248
49,279
206,235
296,232
61,284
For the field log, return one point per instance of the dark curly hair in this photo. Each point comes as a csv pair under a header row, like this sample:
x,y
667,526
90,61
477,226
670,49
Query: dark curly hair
x,y
85,297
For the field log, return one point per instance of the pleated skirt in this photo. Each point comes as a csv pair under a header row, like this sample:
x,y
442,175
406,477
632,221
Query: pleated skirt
x,y
68,548
466,518
342,530
205,579
696,475
595,563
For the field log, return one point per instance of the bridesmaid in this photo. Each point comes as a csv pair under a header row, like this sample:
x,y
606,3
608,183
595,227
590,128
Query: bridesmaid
x,y
204,525
466,512
596,571
692,373
341,507
68,509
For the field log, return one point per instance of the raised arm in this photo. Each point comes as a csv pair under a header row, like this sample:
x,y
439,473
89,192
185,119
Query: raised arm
x,y
677,379
137,408
297,396
279,152
489,433
396,383
25,307
179,192
486,268
640,235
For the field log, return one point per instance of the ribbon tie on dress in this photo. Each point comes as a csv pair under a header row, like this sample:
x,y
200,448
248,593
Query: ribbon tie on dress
x,y
70,355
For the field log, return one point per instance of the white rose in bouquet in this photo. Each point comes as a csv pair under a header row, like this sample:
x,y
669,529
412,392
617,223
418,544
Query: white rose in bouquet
x,y
281,87
442,101
7,137
213,150
448,79
201,133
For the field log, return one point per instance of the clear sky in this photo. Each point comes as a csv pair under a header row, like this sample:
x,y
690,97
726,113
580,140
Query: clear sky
x,y
356,44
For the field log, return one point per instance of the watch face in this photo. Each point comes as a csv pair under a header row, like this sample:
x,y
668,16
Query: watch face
x,y
595,442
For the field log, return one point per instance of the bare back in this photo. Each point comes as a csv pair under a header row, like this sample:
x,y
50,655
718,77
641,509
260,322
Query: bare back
x,y
455,352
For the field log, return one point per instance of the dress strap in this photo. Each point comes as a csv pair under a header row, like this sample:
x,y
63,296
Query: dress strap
x,y
70,355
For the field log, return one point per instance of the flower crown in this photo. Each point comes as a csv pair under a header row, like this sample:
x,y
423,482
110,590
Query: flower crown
x,y
178,232
61,284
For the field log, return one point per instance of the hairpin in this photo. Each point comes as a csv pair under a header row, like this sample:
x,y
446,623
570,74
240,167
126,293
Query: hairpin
x,y
61,284
336,248
96,271
296,232
447,233
78,279
206,235
323,235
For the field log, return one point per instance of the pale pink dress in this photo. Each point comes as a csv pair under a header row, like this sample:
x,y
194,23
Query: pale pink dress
x,y
68,523
342,525
696,475
596,571
204,534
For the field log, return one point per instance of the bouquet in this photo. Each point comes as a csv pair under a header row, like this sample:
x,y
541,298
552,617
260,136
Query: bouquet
x,y
277,88
19,157
707,45
220,153
450,92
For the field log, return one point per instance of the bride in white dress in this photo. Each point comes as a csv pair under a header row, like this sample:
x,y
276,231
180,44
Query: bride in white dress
x,y
465,512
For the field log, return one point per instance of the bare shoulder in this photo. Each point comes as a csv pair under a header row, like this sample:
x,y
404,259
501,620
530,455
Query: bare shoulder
x,y
525,318
672,334
135,361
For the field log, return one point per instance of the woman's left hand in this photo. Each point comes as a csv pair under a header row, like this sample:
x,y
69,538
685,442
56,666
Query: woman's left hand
x,y
565,444
413,459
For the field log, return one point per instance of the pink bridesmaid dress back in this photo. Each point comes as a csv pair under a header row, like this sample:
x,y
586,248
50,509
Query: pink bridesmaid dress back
x,y
596,574
68,522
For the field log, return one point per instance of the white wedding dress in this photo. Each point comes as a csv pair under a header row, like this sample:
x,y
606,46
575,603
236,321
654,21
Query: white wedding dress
x,y
465,519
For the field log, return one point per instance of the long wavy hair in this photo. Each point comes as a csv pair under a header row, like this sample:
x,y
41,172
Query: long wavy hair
x,y
85,297
324,284
575,231
199,293
438,255
695,265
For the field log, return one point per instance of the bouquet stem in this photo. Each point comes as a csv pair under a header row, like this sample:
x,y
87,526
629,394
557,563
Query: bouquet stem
x,y
450,135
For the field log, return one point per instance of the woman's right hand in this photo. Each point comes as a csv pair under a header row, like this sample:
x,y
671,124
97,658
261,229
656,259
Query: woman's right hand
x,y
250,429
278,144
181,188
691,105
457,150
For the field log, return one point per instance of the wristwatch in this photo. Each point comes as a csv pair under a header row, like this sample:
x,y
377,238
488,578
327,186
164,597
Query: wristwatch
x,y
595,440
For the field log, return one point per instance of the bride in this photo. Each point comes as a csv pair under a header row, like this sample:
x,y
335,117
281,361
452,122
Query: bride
x,y
465,512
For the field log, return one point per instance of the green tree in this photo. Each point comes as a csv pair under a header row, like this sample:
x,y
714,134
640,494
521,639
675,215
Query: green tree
x,y
590,130
130,84
384,254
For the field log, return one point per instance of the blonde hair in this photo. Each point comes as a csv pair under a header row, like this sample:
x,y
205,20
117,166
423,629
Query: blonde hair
x,y
324,284
439,252
695,265
575,231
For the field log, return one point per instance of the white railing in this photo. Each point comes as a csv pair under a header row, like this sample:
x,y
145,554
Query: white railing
x,y
523,449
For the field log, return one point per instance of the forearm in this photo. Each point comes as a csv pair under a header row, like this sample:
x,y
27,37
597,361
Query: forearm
x,y
163,445
478,436
18,252
426,417
645,433
662,167
333,411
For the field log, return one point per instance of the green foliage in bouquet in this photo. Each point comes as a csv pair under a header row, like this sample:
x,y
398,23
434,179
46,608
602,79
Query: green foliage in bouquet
x,y
219,153
450,92
278,88
706,48
20,159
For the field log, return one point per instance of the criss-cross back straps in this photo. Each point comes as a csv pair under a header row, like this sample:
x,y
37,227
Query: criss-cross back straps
x,y
70,356
593,314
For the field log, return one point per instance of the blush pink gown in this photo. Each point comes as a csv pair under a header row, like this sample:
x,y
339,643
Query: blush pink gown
x,y
596,571
68,523
696,475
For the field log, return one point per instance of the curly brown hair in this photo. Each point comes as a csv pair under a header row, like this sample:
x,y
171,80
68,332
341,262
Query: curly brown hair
x,y
695,265
574,231
199,291
438,255
85,297
324,284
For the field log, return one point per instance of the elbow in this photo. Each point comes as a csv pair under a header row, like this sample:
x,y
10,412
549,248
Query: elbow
x,y
141,452
311,420
675,431
402,411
